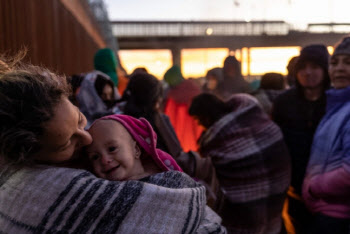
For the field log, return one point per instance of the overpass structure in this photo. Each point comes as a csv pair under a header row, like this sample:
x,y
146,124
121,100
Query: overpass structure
x,y
176,35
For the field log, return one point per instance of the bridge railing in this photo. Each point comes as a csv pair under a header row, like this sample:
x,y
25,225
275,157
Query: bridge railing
x,y
198,28
329,27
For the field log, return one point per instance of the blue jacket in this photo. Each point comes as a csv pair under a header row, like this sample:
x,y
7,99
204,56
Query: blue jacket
x,y
326,186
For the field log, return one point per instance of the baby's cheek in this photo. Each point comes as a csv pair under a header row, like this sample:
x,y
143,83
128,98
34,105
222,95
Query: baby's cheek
x,y
97,169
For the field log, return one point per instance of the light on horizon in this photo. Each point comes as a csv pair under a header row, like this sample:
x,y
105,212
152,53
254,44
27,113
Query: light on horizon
x,y
209,31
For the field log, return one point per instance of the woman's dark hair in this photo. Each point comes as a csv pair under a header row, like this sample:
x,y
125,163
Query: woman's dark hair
x,y
75,81
141,95
28,97
208,109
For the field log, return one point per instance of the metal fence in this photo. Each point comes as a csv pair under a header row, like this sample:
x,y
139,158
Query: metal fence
x,y
50,31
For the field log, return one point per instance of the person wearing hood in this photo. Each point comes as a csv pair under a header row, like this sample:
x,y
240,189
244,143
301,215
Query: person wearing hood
x,y
233,80
105,61
177,102
298,112
251,162
97,96
326,187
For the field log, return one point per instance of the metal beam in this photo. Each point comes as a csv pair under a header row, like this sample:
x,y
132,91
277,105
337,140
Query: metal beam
x,y
291,39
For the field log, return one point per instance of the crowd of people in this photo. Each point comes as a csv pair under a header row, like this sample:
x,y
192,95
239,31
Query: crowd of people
x,y
108,153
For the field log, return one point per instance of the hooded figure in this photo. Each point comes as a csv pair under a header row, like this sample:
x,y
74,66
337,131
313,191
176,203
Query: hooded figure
x,y
106,62
250,158
89,100
298,112
177,102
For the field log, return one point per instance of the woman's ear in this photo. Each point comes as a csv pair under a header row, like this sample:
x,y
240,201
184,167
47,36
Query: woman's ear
x,y
137,151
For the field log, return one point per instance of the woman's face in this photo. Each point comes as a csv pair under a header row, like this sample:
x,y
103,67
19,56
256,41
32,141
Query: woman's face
x,y
311,75
107,93
339,71
64,134
114,153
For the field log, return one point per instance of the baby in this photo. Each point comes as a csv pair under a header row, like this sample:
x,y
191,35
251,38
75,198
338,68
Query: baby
x,y
124,148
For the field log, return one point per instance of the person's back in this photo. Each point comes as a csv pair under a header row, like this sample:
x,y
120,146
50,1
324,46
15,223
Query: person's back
x,y
251,162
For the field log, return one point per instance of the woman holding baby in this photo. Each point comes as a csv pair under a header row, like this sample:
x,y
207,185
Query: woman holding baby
x,y
41,135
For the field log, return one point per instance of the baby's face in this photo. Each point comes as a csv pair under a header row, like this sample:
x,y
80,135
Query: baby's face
x,y
113,153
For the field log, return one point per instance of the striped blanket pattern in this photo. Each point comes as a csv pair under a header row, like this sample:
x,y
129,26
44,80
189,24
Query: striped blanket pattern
x,y
62,200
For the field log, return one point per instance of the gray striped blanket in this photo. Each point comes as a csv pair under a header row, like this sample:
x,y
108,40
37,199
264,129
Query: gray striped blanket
x,y
252,165
62,200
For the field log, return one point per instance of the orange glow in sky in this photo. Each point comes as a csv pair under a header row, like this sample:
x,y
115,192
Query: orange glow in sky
x,y
196,62
157,62
268,59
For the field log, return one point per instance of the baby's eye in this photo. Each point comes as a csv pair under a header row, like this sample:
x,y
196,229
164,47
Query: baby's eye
x,y
112,148
94,157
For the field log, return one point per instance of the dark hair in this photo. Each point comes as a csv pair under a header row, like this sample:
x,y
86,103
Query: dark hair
x,y
75,81
272,80
101,82
231,61
139,70
28,96
141,95
208,109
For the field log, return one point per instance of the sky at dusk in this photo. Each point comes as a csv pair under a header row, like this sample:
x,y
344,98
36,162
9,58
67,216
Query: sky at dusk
x,y
297,12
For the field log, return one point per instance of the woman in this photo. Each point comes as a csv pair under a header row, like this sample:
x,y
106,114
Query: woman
x,y
40,133
326,187
97,96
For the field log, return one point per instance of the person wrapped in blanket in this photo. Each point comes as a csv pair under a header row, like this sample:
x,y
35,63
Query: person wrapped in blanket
x,y
41,135
250,158
97,96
